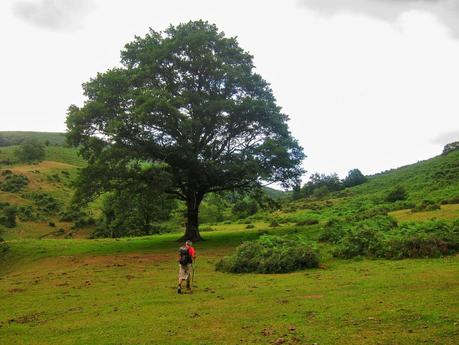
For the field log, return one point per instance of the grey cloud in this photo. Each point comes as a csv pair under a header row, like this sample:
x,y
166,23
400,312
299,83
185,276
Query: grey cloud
x,y
55,15
447,138
447,11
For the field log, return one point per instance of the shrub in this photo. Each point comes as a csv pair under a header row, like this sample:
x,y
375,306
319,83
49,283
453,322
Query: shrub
x,y
453,200
310,221
8,215
45,203
408,240
359,242
270,254
26,213
250,226
398,193
334,230
426,205
30,150
14,183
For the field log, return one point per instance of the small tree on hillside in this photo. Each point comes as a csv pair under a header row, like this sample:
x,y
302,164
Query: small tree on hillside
x,y
398,193
30,150
354,178
189,98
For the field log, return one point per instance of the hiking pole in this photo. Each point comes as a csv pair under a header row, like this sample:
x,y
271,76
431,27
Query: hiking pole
x,y
193,265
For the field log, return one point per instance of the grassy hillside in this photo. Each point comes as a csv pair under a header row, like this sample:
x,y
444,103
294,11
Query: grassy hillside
x,y
15,138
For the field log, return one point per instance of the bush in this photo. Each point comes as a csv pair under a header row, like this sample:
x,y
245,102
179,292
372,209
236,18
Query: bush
x,y
250,226
396,194
8,215
359,242
14,183
270,254
453,200
408,240
307,222
30,150
45,203
334,230
426,205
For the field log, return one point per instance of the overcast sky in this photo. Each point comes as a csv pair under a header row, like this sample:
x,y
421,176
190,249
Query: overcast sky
x,y
368,84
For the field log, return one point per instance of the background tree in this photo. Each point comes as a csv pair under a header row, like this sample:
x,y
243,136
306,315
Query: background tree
x,y
354,178
30,150
189,98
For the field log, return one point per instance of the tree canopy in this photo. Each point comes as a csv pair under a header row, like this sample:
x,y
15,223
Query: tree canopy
x,y
188,99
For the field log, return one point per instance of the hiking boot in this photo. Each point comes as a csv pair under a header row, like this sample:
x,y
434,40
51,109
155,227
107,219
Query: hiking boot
x,y
179,290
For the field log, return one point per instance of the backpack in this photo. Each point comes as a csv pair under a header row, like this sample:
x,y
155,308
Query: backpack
x,y
185,257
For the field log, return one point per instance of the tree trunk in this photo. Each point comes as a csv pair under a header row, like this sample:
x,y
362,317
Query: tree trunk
x,y
192,224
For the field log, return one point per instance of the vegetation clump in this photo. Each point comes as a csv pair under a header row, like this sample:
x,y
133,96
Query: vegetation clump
x,y
8,215
409,240
271,254
45,203
31,150
426,205
396,194
14,183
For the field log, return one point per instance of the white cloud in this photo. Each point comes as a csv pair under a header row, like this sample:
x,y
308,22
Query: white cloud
x,y
447,11
55,15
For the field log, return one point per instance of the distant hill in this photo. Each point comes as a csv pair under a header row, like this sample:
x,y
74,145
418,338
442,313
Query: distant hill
x,y
15,138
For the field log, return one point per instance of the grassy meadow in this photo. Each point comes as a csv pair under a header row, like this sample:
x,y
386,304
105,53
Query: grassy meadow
x,y
58,286
123,292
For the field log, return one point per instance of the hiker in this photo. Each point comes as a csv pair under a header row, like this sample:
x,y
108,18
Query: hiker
x,y
186,256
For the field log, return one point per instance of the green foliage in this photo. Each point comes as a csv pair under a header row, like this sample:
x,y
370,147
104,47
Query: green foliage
x,y
426,205
14,183
30,150
245,207
134,210
188,97
396,194
354,178
45,203
8,215
408,240
271,254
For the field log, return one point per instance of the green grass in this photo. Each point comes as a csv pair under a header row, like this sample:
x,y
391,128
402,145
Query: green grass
x,y
123,292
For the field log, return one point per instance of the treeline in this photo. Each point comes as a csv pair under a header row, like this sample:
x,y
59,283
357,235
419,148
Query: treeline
x,y
320,185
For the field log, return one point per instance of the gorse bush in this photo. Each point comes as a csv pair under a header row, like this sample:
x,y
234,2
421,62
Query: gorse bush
x,y
337,229
271,254
14,183
409,240
8,215
426,205
45,203
396,194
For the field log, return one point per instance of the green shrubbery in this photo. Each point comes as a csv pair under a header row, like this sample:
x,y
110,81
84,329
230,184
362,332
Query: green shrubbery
x,y
408,240
31,150
13,183
8,215
45,203
271,254
396,194
426,205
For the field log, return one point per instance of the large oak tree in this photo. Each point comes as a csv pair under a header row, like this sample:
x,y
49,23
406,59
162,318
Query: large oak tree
x,y
189,99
